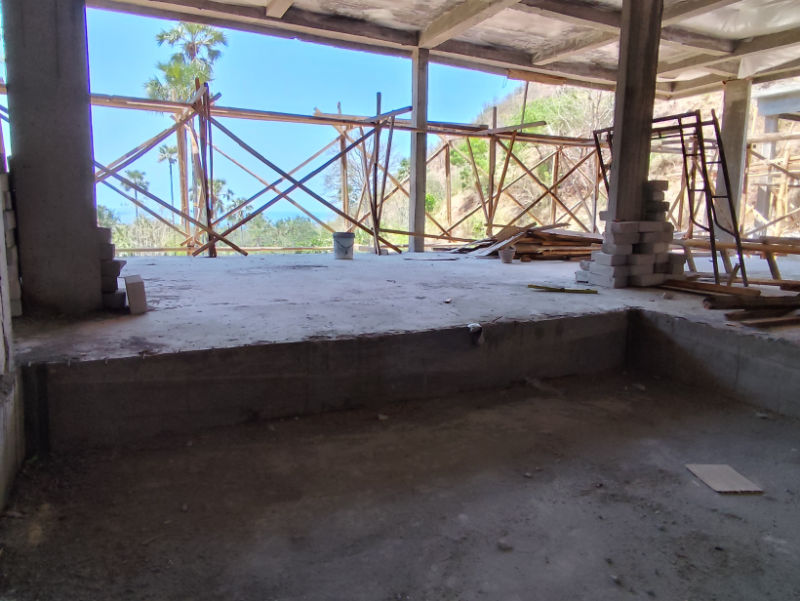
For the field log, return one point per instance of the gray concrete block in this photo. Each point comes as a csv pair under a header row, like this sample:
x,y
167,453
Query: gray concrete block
x,y
109,283
641,259
16,307
582,276
585,264
614,271
661,257
656,206
607,281
657,185
655,216
137,298
10,220
661,268
104,235
655,237
603,215
607,259
114,300
14,288
677,259
112,268
652,279
642,269
655,226
621,237
623,227
12,255
617,249
8,205
648,248
106,251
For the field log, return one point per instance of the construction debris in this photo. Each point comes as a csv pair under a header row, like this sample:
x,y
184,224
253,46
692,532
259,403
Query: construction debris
x,y
723,478
542,242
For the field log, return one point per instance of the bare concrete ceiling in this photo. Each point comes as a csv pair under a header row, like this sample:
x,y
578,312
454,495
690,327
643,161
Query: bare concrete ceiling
x,y
703,42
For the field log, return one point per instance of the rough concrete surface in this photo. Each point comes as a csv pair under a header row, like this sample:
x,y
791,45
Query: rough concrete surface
x,y
233,301
565,489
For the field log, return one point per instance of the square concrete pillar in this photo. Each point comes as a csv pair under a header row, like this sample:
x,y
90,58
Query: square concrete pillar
x,y
51,168
419,148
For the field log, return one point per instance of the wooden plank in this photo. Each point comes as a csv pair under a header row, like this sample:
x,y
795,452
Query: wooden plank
x,y
758,313
716,288
485,252
750,302
723,478
773,322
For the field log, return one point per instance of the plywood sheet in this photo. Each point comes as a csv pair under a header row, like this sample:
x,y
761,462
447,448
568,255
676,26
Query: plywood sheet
x,y
723,478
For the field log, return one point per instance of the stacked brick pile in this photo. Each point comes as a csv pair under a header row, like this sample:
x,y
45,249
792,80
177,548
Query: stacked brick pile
x,y
636,253
113,297
12,252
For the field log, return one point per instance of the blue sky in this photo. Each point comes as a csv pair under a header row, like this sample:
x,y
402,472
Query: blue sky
x,y
267,73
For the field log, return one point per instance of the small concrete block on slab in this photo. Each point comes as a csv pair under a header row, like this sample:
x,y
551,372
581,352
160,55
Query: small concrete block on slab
x,y
114,300
723,478
605,259
603,215
652,279
106,251
137,299
648,248
617,249
607,281
112,268
615,271
621,237
582,276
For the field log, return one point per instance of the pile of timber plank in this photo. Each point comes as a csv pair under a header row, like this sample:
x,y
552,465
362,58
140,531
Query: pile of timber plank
x,y
758,311
542,242
752,309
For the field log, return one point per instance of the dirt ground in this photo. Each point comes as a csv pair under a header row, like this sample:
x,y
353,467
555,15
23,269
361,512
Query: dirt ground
x,y
565,489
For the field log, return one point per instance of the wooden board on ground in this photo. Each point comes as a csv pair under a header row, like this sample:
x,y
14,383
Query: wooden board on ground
x,y
723,478
773,322
703,287
751,302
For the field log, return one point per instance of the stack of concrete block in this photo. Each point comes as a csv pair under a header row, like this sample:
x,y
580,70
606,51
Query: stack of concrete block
x,y
636,253
12,252
113,297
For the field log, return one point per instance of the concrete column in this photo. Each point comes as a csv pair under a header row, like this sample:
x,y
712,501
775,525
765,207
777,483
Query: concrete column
x,y
633,107
734,126
419,149
768,150
51,137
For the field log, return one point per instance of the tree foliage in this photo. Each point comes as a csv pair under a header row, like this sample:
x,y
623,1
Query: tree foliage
x,y
197,48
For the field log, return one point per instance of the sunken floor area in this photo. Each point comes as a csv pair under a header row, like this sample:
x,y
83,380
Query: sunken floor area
x,y
572,488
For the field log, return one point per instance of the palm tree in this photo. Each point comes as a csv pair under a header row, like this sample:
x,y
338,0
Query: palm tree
x,y
197,43
197,51
136,177
169,154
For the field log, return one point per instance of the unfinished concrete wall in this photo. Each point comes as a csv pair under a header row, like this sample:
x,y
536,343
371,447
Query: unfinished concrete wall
x,y
102,403
753,367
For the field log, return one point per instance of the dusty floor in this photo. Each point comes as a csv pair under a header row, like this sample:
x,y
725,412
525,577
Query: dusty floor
x,y
567,489
234,301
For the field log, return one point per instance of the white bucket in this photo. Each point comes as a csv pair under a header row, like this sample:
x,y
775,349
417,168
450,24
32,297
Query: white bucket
x,y
507,254
343,243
